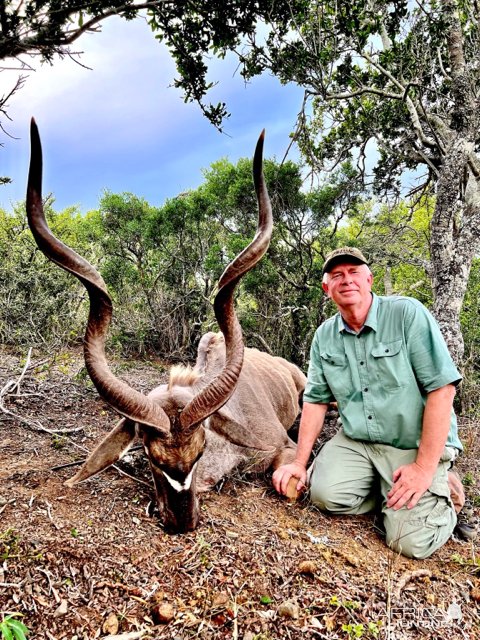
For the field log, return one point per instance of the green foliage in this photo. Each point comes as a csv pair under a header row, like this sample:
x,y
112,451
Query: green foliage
x,y
359,630
13,629
396,241
161,265
471,564
41,305
9,544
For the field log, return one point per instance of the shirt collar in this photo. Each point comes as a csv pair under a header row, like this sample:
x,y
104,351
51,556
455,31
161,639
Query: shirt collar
x,y
370,322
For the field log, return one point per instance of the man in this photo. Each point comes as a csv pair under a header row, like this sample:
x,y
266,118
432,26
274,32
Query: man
x,y
385,363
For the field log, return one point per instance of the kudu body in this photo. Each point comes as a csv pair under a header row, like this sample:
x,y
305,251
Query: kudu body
x,y
233,408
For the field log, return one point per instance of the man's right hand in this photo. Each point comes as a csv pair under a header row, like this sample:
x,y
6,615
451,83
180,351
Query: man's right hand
x,y
283,474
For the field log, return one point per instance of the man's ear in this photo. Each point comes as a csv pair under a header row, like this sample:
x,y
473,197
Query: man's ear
x,y
325,288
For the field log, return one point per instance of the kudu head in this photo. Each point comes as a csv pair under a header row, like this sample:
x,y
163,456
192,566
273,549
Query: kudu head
x,y
170,425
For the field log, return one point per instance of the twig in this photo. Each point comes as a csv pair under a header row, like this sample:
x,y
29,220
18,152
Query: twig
x,y
407,577
12,385
36,425
24,370
129,475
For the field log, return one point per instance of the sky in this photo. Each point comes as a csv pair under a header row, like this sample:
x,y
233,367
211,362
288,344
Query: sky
x,y
120,126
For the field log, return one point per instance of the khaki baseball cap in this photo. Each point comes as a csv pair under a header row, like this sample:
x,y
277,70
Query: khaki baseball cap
x,y
350,255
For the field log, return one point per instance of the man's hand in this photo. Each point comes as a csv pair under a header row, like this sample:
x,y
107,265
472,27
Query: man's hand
x,y
410,482
282,476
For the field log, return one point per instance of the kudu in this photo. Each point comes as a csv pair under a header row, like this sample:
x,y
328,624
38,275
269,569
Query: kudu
x,y
233,408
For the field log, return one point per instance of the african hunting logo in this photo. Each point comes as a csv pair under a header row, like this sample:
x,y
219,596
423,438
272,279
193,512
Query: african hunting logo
x,y
429,618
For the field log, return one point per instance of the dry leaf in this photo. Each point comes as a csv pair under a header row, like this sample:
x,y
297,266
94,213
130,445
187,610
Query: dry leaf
x,y
61,609
475,594
329,622
111,625
307,566
163,613
289,609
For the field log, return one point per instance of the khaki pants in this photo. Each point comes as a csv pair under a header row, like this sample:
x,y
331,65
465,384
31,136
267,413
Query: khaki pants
x,y
352,477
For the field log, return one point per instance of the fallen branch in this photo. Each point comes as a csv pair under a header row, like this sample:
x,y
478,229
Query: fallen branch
x,y
407,577
12,386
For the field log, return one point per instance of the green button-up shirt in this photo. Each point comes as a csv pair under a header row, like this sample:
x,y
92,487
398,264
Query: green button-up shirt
x,y
381,376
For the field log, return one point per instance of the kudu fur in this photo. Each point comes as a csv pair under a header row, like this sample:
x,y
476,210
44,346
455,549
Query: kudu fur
x,y
233,408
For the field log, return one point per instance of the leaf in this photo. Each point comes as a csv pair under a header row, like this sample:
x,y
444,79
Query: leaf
x,y
266,600
111,625
19,629
329,622
5,631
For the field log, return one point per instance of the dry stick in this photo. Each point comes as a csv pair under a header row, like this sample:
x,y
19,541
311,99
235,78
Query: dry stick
x,y
24,370
10,387
409,575
36,425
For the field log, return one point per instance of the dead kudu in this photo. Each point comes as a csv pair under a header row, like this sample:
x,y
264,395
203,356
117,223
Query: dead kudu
x,y
232,409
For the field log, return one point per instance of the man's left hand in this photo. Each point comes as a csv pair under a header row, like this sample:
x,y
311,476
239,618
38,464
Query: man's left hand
x,y
410,482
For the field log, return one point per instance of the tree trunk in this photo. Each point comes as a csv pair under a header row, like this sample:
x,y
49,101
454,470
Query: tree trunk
x,y
455,231
455,238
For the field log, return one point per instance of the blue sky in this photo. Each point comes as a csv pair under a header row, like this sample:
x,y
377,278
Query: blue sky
x,y
121,127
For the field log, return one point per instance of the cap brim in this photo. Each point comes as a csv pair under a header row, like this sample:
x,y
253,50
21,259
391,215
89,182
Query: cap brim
x,y
345,258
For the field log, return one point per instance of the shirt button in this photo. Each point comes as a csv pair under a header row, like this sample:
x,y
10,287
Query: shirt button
x,y
362,362
369,417
366,389
387,350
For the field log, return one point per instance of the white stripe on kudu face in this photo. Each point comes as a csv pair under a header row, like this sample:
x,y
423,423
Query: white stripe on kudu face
x,y
181,486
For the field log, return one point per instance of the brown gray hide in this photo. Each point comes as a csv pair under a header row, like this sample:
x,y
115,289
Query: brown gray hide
x,y
250,430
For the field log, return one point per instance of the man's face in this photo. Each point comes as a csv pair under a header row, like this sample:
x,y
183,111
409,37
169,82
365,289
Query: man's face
x,y
349,284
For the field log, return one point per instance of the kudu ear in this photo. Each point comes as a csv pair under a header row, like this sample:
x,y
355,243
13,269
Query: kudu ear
x,y
111,449
224,423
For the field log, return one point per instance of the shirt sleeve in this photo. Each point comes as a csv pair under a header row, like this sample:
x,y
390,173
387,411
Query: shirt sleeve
x,y
428,351
317,390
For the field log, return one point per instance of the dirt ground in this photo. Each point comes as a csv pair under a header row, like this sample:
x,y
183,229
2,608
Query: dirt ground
x,y
91,562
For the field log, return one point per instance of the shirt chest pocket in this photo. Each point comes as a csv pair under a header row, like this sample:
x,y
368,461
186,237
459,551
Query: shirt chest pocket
x,y
390,365
336,373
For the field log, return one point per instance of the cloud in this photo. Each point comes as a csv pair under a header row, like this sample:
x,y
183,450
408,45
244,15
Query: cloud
x,y
121,126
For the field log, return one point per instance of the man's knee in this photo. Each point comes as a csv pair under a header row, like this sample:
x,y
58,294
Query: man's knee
x,y
323,497
326,491
412,546
418,537
338,492
338,499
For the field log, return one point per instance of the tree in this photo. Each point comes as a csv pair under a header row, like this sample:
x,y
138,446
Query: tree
x,y
395,77
282,300
391,80
44,29
157,265
39,305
